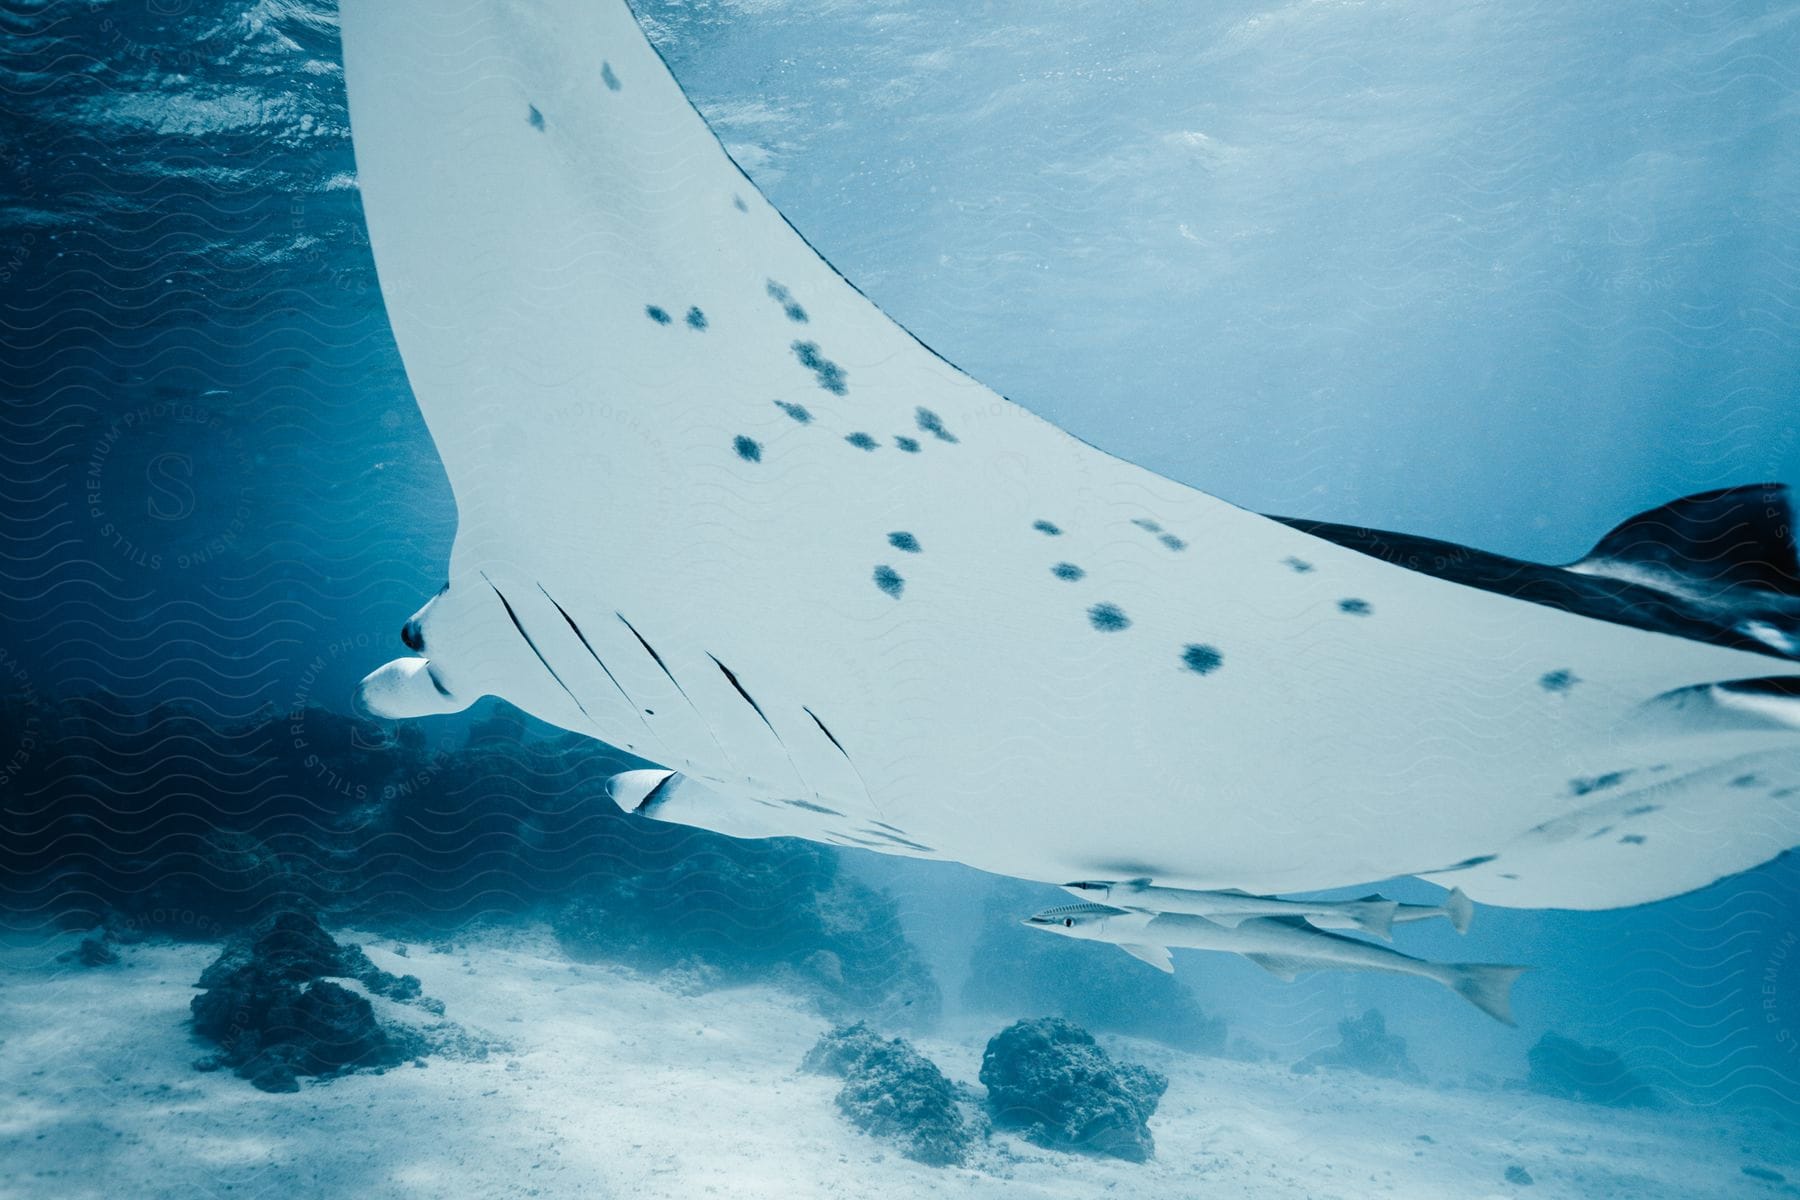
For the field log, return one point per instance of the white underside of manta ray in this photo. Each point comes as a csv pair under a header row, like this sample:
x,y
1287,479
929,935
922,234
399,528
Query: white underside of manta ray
x,y
716,508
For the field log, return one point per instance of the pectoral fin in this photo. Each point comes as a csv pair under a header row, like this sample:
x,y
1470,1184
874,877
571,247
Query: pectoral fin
x,y
1156,956
1281,966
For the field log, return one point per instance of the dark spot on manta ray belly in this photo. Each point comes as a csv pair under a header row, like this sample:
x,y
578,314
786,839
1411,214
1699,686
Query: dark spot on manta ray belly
x,y
1202,660
535,117
889,581
1172,542
737,202
1642,810
830,376
1632,839
799,412
1596,783
1560,680
910,445
1744,781
748,449
1067,570
785,298
930,422
862,441
1108,618
657,313
696,319
1146,524
608,78
1299,566
1046,528
1355,607
901,540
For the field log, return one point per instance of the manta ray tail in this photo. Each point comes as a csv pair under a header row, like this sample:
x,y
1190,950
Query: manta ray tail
x,y
1488,986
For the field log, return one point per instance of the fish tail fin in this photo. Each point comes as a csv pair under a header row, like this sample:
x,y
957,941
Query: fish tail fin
x,y
1488,986
1459,909
1376,916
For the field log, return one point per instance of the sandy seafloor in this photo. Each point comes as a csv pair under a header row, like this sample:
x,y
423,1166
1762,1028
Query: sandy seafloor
x,y
613,1085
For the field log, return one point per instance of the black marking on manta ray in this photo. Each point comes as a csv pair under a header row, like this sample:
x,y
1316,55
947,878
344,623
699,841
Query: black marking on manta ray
x,y
1108,618
658,313
737,202
651,796
829,736
732,679
809,806
901,540
1146,524
1478,861
1046,528
930,422
785,298
436,683
608,78
657,658
799,412
1202,660
1355,607
1600,832
1172,542
862,441
586,645
1068,571
910,445
514,618
889,580
900,841
1560,680
830,376
651,651
1596,783
748,449
1298,566
412,637
1744,781
1642,810
696,319
534,117
1632,839
886,826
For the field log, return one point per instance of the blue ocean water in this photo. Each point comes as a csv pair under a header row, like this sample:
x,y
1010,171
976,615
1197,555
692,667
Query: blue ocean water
x,y
1498,273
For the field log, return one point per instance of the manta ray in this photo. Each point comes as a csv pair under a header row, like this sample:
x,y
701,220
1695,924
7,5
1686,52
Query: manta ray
x,y
719,510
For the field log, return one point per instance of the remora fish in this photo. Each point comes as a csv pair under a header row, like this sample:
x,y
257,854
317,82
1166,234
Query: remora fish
x,y
1283,946
1371,914
716,508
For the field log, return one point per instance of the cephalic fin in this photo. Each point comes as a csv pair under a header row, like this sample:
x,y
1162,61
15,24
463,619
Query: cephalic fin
x,y
1157,956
